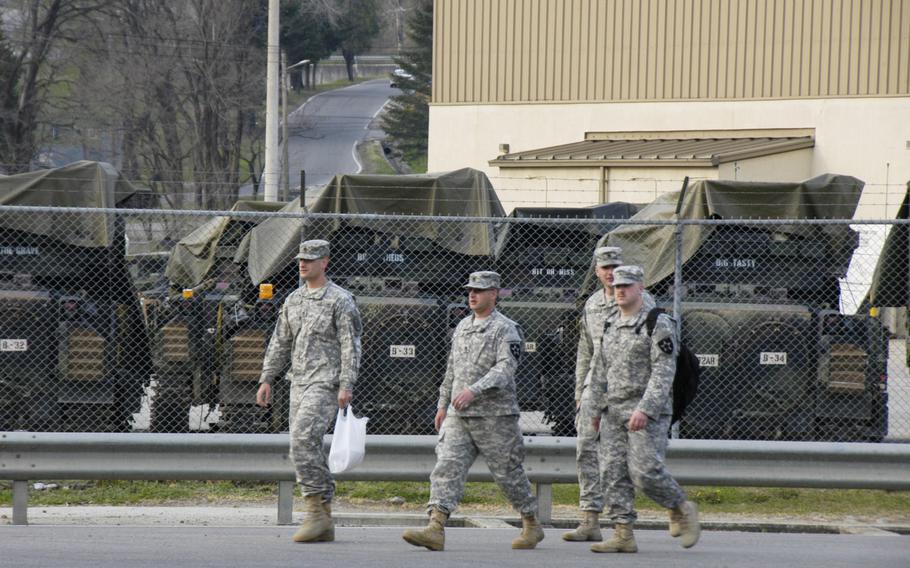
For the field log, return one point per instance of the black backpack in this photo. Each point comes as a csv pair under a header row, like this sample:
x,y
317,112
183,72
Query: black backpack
x,y
685,381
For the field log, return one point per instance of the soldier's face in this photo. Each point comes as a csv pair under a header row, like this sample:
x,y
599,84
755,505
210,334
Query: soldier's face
x,y
313,269
482,300
605,275
628,295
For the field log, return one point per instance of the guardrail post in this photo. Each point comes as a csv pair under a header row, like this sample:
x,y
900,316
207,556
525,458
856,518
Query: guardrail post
x,y
285,502
544,502
20,502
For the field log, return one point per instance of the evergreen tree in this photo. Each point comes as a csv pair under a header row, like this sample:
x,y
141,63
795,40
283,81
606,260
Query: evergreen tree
x,y
407,120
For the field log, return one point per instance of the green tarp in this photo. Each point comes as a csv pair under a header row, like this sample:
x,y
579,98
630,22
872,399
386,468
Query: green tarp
x,y
195,254
890,286
460,193
80,184
653,247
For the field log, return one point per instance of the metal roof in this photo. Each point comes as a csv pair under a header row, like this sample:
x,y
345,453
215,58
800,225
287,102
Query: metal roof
x,y
654,152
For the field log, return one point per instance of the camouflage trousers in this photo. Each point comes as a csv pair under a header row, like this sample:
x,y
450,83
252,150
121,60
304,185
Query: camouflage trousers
x,y
587,458
635,459
313,406
498,439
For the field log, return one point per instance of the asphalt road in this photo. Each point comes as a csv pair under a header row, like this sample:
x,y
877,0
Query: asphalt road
x,y
201,547
323,132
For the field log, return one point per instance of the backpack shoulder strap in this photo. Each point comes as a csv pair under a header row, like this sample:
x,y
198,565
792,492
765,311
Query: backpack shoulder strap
x,y
651,320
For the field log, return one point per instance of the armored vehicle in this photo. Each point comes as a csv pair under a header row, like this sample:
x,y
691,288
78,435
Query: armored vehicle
x,y
543,266
407,276
73,355
761,309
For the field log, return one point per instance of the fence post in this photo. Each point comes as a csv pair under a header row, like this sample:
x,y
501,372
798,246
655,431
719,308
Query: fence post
x,y
544,493
20,502
285,502
677,279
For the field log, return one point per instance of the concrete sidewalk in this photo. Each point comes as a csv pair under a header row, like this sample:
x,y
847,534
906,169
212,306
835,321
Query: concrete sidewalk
x,y
346,516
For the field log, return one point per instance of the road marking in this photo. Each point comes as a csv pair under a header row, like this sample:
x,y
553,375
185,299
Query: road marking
x,y
375,114
354,154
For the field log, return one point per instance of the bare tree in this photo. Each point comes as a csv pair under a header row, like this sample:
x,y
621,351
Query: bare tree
x,y
36,37
184,88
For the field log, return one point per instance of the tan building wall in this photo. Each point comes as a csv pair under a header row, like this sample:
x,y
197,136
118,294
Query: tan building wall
x,y
863,137
788,166
517,51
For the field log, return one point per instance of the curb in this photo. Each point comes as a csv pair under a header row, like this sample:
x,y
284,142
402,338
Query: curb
x,y
795,527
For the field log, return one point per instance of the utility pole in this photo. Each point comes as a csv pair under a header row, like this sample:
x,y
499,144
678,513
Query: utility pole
x,y
285,170
271,173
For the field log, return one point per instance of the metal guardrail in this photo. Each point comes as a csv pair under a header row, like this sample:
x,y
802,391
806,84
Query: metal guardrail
x,y
28,456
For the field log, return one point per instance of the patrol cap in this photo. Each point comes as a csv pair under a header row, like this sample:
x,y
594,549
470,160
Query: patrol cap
x,y
628,274
483,280
311,250
608,256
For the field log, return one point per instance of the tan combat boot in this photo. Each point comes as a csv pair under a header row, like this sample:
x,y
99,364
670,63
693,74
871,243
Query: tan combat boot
x,y
622,541
318,525
433,537
531,533
675,519
588,529
689,527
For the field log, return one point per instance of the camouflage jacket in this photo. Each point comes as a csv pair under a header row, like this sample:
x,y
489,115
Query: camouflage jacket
x,y
638,370
591,329
483,358
320,330
596,311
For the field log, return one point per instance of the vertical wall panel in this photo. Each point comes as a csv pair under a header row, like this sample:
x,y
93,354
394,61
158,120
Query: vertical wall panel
x,y
490,51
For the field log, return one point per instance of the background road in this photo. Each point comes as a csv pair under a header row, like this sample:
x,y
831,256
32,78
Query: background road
x,y
202,547
323,132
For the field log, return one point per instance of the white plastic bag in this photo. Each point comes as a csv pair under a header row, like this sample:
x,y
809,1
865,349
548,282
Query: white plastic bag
x,y
349,441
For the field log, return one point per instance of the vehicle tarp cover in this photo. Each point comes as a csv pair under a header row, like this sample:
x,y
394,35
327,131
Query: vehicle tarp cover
x,y
80,184
459,193
890,286
827,196
195,254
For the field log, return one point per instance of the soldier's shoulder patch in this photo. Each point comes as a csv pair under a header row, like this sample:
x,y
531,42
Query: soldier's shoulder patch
x,y
666,345
515,349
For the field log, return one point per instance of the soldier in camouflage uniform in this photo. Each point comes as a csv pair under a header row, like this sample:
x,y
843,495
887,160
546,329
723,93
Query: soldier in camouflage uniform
x,y
478,413
600,306
632,395
319,328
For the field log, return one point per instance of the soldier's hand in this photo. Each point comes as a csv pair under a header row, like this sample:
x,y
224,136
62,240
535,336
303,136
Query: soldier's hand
x,y
595,423
638,421
264,395
440,417
344,398
463,399
577,405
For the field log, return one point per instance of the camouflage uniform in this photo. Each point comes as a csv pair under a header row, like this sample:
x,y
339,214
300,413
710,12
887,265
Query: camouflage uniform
x,y
320,330
637,374
483,358
597,310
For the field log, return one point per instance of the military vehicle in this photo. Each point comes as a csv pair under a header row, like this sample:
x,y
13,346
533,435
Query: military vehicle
x,y
73,355
407,277
761,309
210,330
543,266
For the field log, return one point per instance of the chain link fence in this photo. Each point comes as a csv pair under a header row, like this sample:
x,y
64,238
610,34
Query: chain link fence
x,y
150,320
